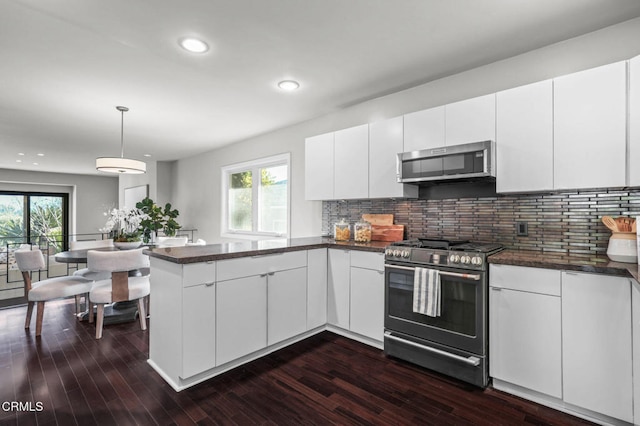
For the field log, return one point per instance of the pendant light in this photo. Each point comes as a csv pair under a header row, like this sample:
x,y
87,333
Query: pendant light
x,y
120,164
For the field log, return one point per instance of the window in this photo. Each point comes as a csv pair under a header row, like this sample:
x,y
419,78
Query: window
x,y
256,197
37,218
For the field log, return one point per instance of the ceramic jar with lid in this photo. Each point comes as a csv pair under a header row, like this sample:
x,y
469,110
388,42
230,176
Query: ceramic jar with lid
x,y
362,232
342,230
623,247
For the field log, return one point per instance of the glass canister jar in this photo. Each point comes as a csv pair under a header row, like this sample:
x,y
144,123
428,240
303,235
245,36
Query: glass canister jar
x,y
342,230
362,232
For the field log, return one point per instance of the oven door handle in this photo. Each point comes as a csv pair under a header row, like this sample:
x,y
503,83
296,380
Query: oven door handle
x,y
472,360
474,277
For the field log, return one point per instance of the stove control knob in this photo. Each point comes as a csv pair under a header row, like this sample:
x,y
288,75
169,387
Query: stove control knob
x,y
454,258
477,260
396,253
406,254
465,259
388,252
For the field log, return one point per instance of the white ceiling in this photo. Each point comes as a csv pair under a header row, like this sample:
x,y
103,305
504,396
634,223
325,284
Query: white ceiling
x,y
66,64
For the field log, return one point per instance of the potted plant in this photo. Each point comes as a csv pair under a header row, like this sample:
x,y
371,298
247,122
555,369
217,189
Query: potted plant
x,y
124,226
157,219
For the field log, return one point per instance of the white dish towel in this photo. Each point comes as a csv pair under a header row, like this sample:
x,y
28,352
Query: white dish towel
x,y
426,292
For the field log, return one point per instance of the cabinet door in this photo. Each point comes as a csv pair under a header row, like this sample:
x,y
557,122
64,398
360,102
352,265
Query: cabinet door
x,y
367,303
286,304
596,343
318,167
634,122
525,340
198,329
316,288
635,304
351,162
241,307
385,142
525,138
471,120
590,128
424,129
338,288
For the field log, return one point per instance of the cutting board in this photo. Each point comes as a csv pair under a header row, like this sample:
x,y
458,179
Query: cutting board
x,y
378,219
387,232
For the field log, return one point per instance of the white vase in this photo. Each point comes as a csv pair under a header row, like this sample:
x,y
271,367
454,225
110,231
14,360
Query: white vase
x,y
127,245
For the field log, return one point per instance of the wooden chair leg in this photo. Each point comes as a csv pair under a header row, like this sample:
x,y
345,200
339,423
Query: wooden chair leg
x,y
39,317
27,321
99,321
142,314
90,310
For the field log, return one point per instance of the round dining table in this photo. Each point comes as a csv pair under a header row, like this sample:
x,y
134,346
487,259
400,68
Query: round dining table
x,y
115,313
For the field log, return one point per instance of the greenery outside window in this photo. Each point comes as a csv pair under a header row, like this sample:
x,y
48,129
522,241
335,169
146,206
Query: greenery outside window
x,y
256,198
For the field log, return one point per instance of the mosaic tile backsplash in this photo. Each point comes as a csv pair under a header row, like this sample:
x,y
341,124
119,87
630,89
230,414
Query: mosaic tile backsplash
x,y
564,222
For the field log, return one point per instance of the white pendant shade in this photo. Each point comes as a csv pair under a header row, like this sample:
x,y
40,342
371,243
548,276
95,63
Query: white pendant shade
x,y
120,165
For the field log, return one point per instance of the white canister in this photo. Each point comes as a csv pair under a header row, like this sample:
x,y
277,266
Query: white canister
x,y
623,247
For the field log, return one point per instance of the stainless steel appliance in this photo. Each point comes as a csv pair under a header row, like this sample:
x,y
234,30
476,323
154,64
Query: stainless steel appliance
x,y
471,161
455,342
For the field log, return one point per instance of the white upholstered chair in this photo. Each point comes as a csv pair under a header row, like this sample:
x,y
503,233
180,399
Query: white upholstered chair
x,y
172,241
84,245
51,288
120,287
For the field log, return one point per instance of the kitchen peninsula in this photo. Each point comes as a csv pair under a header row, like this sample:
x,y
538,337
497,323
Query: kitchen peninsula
x,y
219,306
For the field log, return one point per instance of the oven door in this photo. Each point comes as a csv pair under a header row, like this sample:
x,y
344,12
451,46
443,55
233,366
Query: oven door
x,y
462,323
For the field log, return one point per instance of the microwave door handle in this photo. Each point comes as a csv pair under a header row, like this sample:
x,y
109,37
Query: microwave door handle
x,y
474,277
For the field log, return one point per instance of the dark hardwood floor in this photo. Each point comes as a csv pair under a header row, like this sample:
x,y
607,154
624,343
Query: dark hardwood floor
x,y
326,379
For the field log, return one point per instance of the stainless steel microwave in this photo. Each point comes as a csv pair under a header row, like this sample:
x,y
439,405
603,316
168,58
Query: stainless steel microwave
x,y
457,162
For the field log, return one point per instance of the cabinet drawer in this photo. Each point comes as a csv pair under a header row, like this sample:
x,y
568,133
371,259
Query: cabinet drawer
x,y
367,260
256,265
198,273
534,280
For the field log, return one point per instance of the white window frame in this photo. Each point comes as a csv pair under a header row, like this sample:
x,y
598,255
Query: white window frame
x,y
254,165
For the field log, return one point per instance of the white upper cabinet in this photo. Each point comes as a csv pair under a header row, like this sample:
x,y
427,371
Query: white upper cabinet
x,y
590,128
351,163
524,127
471,120
385,142
319,167
634,121
424,129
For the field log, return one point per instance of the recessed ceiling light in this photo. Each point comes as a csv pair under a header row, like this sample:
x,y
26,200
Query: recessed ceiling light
x,y
193,45
18,161
288,85
40,154
21,153
147,155
35,164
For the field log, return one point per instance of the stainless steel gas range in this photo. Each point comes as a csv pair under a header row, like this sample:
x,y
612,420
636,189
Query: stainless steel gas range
x,y
454,341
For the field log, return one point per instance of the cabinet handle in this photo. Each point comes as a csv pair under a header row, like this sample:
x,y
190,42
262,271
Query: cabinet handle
x,y
210,262
381,272
263,275
271,273
496,288
265,255
209,284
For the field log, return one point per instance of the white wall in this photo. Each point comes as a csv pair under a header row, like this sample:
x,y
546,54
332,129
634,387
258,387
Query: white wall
x,y
89,196
196,187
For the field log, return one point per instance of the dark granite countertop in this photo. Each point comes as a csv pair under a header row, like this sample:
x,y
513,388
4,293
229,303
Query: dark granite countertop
x,y
599,264
194,254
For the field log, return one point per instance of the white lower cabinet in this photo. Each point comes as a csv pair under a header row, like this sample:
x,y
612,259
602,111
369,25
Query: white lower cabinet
x,y
525,328
566,336
356,292
241,309
596,343
635,316
286,304
339,263
198,329
316,288
367,302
